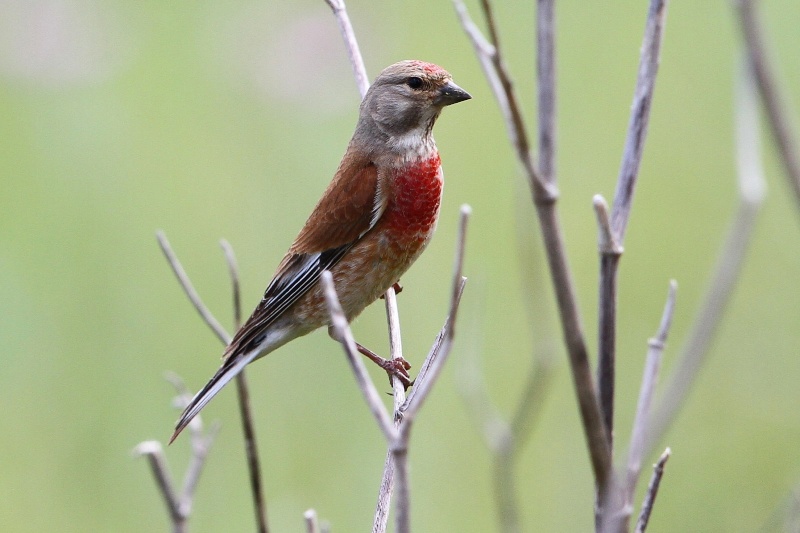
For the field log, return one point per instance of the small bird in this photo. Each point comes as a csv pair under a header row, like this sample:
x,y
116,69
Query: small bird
x,y
373,221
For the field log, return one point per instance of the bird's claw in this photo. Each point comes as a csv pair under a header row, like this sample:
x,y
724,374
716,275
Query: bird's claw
x,y
397,290
398,368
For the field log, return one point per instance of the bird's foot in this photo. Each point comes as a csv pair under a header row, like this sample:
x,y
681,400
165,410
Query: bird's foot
x,y
394,367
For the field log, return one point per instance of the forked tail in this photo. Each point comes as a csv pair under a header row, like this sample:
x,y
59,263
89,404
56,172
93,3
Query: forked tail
x,y
229,369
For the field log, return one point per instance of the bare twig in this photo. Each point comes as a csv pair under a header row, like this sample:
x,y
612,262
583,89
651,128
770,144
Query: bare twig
x,y
201,445
398,438
786,516
381,518
180,505
233,271
610,253
200,441
774,102
640,424
353,52
752,189
423,387
620,213
190,291
312,524
251,447
504,439
154,452
345,337
544,197
243,394
362,81
500,81
546,86
652,492
640,117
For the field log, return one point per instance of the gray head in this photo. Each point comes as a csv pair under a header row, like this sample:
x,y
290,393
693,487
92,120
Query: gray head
x,y
405,100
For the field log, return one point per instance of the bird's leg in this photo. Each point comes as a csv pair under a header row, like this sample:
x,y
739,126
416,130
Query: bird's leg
x,y
394,367
397,290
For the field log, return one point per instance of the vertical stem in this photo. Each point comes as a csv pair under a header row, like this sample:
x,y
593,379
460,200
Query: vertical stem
x,y
546,88
607,326
403,510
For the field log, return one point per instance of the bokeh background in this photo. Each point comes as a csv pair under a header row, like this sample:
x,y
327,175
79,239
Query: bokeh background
x,y
217,119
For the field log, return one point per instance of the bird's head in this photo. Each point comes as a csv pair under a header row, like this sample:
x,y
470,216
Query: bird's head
x,y
405,100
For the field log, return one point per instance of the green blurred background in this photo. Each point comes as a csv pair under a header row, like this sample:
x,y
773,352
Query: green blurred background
x,y
227,119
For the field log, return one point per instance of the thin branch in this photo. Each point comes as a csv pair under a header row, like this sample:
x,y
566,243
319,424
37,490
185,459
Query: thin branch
x,y
179,506
189,289
154,452
201,446
652,492
786,515
505,440
424,385
353,52
381,518
752,189
503,88
649,380
544,197
395,348
640,117
343,334
245,410
433,353
200,441
774,102
610,252
539,188
546,88
233,271
620,213
182,400
312,524
362,82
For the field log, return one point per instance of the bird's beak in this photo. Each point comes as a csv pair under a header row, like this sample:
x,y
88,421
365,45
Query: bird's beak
x,y
451,94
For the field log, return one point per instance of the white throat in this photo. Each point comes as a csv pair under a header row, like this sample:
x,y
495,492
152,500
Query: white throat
x,y
415,144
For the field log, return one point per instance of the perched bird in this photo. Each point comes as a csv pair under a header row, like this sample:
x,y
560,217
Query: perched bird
x,y
373,221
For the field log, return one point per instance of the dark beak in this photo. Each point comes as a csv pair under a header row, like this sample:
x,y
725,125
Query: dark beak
x,y
451,94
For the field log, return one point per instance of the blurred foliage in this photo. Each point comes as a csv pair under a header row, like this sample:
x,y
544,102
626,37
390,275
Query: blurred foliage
x,y
226,119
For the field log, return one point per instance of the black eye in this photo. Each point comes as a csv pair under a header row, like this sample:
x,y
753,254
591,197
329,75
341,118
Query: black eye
x,y
414,82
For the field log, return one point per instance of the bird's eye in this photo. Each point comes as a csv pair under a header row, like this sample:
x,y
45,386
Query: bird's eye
x,y
414,82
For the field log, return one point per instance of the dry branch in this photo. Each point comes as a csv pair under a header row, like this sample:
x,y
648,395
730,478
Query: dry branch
x,y
243,395
398,437
179,505
752,189
779,118
652,492
620,213
346,29
544,197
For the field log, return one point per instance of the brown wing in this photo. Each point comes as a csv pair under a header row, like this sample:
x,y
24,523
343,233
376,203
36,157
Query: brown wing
x,y
350,206
346,210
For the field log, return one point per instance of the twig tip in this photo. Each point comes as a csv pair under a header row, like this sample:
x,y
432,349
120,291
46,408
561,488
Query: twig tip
x,y
148,447
600,202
